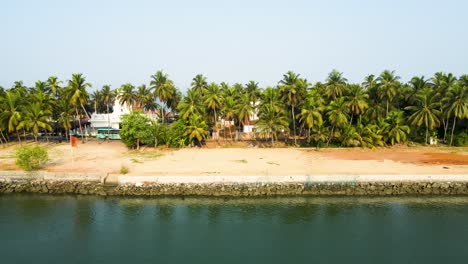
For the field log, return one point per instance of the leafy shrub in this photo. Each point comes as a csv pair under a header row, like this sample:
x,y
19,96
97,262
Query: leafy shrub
x,y
136,129
123,169
461,139
31,157
175,135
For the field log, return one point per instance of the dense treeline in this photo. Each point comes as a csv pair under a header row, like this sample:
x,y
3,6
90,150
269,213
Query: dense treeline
x,y
382,110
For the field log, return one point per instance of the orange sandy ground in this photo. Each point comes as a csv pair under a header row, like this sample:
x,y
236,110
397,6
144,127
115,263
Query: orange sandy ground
x,y
242,158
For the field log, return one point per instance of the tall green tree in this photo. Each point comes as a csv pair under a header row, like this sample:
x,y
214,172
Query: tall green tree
x,y
395,129
11,115
191,104
213,100
387,87
311,115
293,90
336,85
78,95
163,89
271,122
199,84
456,103
127,95
196,130
35,118
357,100
425,112
337,112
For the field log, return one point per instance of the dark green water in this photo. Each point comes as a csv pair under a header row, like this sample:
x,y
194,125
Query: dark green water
x,y
69,229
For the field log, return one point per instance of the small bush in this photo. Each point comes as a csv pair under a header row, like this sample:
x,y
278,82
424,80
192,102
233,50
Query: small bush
x,y
461,139
31,157
123,170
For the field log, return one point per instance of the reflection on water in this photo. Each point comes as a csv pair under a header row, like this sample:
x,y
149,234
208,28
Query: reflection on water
x,y
204,230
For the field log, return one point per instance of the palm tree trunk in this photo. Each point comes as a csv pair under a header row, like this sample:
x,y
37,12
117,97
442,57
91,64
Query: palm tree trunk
x,y
86,113
79,123
162,114
138,144
453,128
224,130
3,136
426,134
230,131
294,124
330,137
445,128
17,134
386,113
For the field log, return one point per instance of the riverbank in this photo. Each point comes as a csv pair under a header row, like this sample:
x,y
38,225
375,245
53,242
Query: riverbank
x,y
319,185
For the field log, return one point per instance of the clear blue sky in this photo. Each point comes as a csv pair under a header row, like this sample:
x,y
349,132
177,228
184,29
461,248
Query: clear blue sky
x,y
119,41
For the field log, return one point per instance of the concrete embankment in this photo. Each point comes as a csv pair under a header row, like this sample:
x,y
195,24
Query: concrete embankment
x,y
96,184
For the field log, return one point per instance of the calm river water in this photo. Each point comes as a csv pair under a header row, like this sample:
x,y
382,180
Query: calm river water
x,y
79,229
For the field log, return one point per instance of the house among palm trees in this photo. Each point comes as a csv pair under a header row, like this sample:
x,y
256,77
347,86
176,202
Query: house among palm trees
x,y
110,120
249,125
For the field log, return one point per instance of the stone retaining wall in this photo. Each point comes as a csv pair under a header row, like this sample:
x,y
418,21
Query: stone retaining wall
x,y
232,189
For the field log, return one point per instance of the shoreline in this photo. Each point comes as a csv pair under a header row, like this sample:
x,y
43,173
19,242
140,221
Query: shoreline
x,y
233,186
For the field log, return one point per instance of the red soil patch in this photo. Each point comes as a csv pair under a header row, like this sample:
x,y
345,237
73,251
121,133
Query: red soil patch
x,y
418,156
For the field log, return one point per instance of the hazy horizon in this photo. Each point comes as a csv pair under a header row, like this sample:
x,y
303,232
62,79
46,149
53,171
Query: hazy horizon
x,y
116,42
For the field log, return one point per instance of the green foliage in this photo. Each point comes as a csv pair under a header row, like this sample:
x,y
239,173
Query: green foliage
x,y
123,170
461,139
136,129
31,157
172,135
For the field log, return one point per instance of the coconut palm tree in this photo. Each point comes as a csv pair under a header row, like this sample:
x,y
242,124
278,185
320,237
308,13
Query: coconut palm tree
x,y
337,112
426,111
213,99
292,91
191,104
163,89
395,129
311,115
270,97
349,137
319,135
370,135
35,118
96,99
336,85
143,97
127,95
54,84
199,84
271,122
229,111
456,103
78,95
11,114
244,109
196,129
254,92
357,100
66,114
387,87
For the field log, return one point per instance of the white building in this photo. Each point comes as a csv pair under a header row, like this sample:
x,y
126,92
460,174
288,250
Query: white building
x,y
110,120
